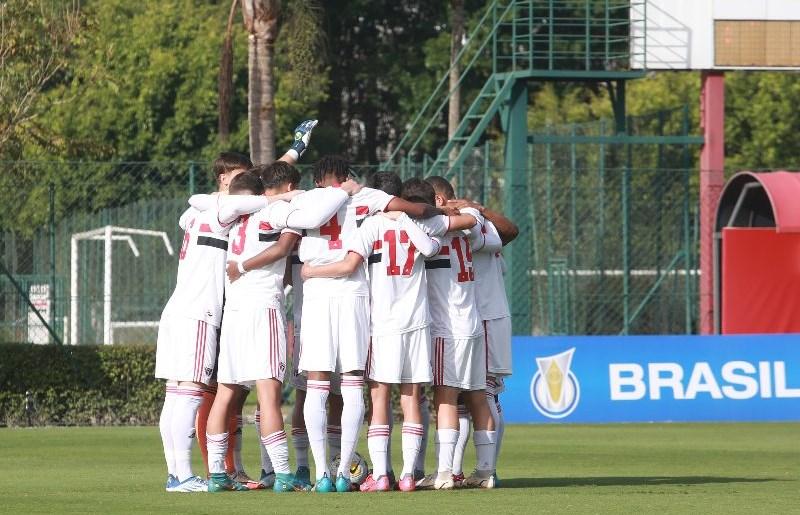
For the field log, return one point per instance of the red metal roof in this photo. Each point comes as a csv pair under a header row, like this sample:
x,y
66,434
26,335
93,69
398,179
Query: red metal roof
x,y
783,190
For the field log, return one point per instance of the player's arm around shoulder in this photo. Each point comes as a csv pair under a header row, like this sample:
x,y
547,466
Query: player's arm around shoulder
x,y
341,268
424,243
282,248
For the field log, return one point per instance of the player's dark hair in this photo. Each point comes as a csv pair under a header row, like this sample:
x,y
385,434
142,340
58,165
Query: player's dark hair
x,y
442,187
331,165
388,182
230,161
417,190
247,181
277,174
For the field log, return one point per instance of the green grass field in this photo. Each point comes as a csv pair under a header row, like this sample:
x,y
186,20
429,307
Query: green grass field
x,y
675,468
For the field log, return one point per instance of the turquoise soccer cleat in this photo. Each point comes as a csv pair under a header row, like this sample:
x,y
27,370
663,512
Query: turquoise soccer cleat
x,y
324,485
303,476
288,483
220,482
342,483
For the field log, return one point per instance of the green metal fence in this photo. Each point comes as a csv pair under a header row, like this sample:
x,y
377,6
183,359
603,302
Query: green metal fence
x,y
607,219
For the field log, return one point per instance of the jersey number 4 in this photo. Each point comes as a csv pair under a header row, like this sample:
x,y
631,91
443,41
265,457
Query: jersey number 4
x,y
332,230
390,237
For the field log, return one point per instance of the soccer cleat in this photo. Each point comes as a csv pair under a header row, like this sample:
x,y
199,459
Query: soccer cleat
x,y
172,483
303,476
376,485
324,485
392,480
191,484
242,477
477,480
267,480
220,482
343,484
458,480
435,482
288,483
407,484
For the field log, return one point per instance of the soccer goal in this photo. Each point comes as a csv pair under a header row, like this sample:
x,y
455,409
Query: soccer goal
x,y
108,234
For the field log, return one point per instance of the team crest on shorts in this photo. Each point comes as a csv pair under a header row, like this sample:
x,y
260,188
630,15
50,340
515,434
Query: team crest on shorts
x,y
555,390
209,370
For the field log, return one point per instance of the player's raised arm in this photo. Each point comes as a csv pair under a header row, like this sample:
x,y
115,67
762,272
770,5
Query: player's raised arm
x,y
426,246
231,207
302,137
203,202
506,229
341,268
413,209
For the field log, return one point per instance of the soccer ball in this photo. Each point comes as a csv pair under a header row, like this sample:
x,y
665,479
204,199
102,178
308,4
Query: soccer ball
x,y
359,470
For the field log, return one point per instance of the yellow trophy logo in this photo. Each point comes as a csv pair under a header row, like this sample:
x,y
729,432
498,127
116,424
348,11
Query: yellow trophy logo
x,y
554,388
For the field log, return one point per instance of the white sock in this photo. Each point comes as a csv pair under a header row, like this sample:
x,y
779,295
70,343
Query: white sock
x,y
446,441
352,418
300,444
425,411
278,448
495,415
237,446
412,440
164,426
334,435
377,442
266,463
316,419
500,427
463,439
184,412
217,448
485,450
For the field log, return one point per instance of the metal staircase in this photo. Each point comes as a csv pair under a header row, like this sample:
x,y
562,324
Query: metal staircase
x,y
524,40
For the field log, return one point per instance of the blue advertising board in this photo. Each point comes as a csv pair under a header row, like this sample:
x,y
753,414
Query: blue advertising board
x,y
654,379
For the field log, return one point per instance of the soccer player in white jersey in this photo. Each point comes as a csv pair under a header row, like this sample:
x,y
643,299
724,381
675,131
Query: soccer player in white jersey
x,y
399,350
459,351
187,337
335,318
253,345
493,304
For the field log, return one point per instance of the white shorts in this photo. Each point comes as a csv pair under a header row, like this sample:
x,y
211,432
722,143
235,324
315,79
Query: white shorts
x,y
186,349
334,334
253,345
459,362
498,340
401,358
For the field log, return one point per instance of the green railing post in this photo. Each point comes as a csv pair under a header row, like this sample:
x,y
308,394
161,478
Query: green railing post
x,y
551,36
518,253
573,253
608,35
626,243
600,252
587,22
51,232
192,173
687,244
486,176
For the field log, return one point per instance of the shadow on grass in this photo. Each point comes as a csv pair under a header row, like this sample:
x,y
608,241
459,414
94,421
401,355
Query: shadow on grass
x,y
544,482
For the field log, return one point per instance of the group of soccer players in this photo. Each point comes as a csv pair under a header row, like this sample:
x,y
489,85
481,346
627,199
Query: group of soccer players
x,y
393,284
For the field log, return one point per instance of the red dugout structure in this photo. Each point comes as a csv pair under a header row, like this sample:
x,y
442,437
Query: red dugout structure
x,y
757,254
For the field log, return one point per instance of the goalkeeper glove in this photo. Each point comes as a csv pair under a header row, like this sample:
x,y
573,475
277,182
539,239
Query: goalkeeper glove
x,y
302,136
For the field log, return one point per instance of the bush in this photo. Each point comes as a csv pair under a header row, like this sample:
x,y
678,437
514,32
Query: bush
x,y
81,385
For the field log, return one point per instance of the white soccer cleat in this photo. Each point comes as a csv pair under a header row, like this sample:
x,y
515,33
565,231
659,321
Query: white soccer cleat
x,y
192,484
435,482
476,480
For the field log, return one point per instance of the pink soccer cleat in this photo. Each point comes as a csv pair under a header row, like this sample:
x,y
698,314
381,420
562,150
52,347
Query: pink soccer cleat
x,y
372,485
407,484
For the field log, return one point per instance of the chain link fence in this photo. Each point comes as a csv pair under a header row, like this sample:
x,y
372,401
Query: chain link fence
x,y
608,232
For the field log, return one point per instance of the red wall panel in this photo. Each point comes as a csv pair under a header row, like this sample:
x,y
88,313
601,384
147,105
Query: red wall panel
x,y
760,281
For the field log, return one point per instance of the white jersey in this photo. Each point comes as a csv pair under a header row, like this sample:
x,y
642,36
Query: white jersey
x,y
323,245
489,271
451,283
397,283
201,268
249,236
